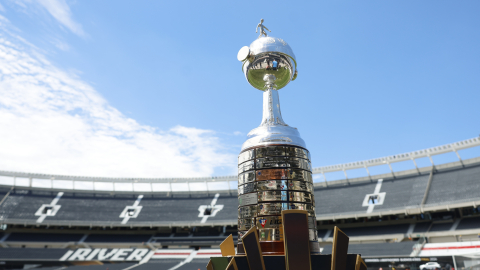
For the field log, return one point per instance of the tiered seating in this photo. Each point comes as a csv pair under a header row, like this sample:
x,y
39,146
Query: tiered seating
x,y
376,230
117,238
32,254
97,209
163,234
377,249
92,207
403,192
455,186
469,223
436,227
422,227
182,234
44,237
103,209
206,232
347,199
22,204
342,199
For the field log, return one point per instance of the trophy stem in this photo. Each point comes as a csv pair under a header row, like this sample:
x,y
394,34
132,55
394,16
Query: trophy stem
x,y
271,109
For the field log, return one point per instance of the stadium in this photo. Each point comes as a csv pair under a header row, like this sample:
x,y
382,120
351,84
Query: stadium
x,y
422,218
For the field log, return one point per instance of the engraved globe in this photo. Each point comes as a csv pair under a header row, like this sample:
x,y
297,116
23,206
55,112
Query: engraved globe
x,y
268,62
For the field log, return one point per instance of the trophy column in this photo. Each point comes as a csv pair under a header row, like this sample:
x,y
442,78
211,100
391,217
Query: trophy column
x,y
271,179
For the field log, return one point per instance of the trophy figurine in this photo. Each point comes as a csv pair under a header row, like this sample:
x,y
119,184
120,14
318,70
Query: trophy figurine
x,y
274,168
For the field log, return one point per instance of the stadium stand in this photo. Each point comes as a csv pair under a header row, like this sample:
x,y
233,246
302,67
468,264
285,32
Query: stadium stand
x,y
44,237
104,209
20,254
422,227
433,204
458,185
377,230
402,193
117,238
377,249
436,227
469,223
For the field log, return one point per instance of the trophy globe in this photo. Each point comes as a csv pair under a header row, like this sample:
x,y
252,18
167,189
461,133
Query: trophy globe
x,y
274,171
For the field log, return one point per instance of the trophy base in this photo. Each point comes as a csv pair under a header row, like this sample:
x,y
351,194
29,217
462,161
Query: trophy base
x,y
276,248
268,248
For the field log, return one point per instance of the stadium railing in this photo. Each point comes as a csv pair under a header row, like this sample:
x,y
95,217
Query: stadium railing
x,y
227,184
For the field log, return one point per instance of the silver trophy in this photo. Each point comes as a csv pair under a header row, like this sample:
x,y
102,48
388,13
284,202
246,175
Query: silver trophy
x,y
269,64
274,171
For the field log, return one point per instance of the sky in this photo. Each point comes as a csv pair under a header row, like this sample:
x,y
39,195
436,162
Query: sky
x,y
154,89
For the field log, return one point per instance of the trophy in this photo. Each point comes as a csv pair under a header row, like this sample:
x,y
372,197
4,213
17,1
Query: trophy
x,y
276,207
274,167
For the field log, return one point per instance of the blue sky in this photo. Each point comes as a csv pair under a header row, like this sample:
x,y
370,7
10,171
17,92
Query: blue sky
x,y
153,88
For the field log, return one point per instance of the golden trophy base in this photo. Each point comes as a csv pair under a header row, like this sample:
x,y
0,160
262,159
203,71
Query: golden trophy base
x,y
295,252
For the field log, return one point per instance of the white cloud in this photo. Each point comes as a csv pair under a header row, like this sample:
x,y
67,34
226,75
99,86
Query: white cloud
x,y
61,12
53,122
58,9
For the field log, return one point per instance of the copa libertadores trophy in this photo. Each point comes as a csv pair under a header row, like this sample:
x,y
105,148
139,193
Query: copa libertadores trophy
x,y
274,168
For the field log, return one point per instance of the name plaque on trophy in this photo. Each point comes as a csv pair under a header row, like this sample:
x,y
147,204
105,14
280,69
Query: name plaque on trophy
x,y
272,185
277,234
246,199
266,209
270,209
280,151
272,222
291,174
271,196
297,196
303,206
297,152
246,224
270,151
247,155
246,177
285,162
272,174
282,185
247,211
270,234
247,188
246,166
300,186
